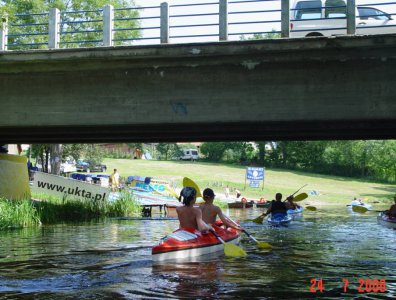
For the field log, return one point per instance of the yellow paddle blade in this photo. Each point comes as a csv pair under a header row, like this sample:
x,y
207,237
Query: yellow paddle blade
x,y
258,220
300,197
264,245
189,182
311,208
233,250
359,209
172,192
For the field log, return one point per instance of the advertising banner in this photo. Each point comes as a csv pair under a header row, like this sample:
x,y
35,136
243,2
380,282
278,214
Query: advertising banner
x,y
70,188
14,178
254,183
253,173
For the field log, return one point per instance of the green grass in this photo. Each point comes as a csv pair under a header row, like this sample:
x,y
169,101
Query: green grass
x,y
51,210
333,190
17,214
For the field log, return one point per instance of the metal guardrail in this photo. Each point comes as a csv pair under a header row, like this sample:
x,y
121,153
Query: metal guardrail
x,y
221,20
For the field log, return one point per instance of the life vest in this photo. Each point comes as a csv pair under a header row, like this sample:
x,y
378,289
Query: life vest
x,y
278,207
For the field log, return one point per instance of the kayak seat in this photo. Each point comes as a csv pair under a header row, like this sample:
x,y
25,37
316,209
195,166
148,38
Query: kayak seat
x,y
182,235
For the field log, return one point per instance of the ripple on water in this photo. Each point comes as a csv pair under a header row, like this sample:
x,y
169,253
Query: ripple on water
x,y
112,260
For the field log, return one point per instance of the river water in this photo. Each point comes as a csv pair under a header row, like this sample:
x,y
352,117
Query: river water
x,y
111,259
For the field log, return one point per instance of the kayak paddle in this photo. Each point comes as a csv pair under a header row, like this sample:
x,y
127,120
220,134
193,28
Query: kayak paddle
x,y
300,197
189,182
261,245
311,208
230,249
362,209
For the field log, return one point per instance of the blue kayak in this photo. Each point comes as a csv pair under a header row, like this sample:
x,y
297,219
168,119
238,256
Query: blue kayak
x,y
298,210
278,219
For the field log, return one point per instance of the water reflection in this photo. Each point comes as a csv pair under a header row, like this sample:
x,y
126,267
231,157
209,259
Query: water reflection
x,y
112,259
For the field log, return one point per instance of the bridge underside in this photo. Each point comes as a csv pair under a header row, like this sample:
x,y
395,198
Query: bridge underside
x,y
316,88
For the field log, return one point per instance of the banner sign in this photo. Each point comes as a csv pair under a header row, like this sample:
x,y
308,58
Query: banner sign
x,y
253,173
14,178
255,183
69,188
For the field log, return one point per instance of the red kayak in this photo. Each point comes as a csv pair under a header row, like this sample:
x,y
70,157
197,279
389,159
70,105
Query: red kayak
x,y
188,242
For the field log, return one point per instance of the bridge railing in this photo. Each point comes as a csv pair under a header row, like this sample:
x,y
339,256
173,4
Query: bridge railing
x,y
212,20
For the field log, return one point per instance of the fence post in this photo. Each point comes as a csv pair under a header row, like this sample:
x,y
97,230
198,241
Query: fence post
x,y
223,20
285,18
53,28
351,17
164,23
3,35
108,25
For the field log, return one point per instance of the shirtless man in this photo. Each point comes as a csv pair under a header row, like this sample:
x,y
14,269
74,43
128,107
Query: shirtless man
x,y
188,215
290,203
210,211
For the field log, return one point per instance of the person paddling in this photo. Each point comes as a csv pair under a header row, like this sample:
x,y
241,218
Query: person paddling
x,y
189,216
290,203
392,211
211,211
277,206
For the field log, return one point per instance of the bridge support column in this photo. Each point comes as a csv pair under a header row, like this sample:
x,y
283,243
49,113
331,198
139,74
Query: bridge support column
x,y
223,20
53,28
108,24
351,17
164,23
285,18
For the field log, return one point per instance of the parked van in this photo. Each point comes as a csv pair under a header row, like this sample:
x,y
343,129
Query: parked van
x,y
328,18
189,154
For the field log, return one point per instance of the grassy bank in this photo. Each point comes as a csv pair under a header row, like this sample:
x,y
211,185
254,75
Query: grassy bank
x,y
17,214
51,210
333,190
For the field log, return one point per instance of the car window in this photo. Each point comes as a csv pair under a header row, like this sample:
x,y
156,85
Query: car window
x,y
335,9
308,10
367,13
194,152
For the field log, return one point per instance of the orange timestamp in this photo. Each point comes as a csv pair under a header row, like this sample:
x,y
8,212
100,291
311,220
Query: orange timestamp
x,y
364,285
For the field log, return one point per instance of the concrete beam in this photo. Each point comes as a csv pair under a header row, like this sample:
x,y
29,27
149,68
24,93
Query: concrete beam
x,y
313,88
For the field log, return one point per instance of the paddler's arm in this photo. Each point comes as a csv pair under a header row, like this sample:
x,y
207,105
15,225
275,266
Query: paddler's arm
x,y
202,226
227,222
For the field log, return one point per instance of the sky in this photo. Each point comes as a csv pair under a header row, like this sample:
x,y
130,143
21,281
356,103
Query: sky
x,y
235,30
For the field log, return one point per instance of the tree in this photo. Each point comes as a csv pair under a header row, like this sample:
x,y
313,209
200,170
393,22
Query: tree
x,y
168,150
214,151
71,29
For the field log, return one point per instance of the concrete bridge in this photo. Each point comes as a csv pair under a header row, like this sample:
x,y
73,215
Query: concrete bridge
x,y
313,88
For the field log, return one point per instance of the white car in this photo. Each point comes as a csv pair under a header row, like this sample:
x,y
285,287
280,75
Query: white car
x,y
68,166
328,18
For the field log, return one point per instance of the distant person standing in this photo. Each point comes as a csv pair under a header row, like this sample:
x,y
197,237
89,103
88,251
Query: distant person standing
x,y
227,191
114,181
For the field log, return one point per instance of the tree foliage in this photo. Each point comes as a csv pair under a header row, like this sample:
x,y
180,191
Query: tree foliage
x,y
374,160
168,150
23,14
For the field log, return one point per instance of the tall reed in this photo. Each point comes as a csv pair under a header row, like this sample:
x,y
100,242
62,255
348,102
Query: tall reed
x,y
54,209
18,213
